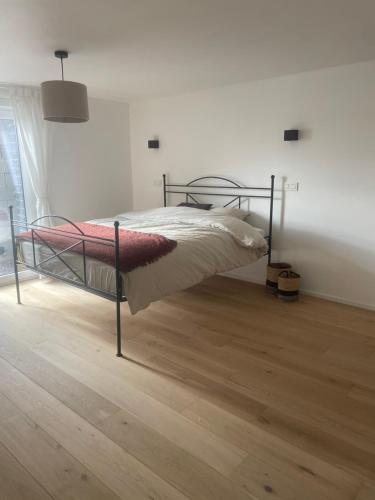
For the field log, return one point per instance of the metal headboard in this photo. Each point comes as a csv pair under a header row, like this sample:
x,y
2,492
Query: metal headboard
x,y
237,194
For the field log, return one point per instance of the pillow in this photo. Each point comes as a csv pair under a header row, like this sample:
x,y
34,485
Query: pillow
x,y
238,213
201,206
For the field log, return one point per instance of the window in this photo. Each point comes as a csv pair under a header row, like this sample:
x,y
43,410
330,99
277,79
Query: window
x,y
11,185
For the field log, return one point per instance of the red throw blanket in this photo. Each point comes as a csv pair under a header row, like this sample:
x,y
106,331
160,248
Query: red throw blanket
x,y
136,249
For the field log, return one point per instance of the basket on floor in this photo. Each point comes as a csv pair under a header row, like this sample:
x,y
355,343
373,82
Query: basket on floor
x,y
273,271
288,285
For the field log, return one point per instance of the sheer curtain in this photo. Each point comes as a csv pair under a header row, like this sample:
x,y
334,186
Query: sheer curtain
x,y
34,136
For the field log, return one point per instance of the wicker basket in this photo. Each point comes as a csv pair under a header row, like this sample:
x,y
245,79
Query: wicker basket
x,y
288,285
273,271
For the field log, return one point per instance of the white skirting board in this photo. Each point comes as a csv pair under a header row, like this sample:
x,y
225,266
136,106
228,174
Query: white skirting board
x,y
331,298
340,300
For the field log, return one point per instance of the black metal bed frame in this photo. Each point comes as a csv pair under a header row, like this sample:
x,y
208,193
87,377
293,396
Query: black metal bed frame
x,y
239,194
37,231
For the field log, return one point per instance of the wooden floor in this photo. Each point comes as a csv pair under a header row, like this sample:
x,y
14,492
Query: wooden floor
x,y
229,394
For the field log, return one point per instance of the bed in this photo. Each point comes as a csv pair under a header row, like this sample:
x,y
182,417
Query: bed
x,y
130,257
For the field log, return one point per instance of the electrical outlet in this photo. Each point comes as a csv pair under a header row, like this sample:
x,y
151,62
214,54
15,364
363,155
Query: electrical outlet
x,y
291,186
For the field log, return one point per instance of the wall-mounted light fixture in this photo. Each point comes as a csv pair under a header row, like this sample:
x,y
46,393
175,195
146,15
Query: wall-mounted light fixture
x,y
153,144
291,135
64,101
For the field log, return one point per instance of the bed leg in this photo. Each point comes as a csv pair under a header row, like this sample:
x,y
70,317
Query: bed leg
x,y
118,323
17,284
14,247
118,289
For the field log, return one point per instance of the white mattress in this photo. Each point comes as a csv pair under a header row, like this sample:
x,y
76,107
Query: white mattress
x,y
207,245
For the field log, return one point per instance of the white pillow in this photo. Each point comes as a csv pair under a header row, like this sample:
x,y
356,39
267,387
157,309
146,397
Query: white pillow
x,y
163,212
238,213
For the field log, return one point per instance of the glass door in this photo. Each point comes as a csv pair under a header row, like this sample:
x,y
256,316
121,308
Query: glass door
x,y
11,186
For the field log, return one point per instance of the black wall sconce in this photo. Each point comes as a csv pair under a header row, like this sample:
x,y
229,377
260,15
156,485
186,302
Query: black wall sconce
x,y
153,144
291,135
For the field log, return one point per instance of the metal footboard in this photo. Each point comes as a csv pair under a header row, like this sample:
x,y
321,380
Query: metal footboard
x,y
39,236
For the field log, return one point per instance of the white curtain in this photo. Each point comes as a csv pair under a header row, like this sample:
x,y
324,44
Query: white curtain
x,y
34,137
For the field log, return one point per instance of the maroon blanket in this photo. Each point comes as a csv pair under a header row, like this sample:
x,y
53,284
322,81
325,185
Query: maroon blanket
x,y
136,249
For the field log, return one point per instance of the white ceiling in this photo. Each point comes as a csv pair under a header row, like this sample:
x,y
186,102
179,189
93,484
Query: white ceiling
x,y
129,49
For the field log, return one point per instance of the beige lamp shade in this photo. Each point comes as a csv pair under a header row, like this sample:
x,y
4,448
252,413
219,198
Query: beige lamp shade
x,y
64,101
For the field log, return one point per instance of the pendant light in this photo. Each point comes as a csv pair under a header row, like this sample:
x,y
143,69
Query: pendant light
x,y
64,101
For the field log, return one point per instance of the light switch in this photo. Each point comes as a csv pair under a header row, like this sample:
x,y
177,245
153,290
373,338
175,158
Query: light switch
x,y
291,186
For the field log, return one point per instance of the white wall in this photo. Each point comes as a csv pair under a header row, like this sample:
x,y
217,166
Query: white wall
x,y
326,229
90,175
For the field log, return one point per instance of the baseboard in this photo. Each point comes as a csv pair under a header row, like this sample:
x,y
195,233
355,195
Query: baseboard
x,y
340,300
319,295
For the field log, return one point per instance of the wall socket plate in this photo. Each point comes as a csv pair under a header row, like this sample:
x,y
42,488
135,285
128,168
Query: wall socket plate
x,y
291,186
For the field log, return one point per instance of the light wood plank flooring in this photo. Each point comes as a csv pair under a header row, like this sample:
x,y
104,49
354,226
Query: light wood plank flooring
x,y
229,394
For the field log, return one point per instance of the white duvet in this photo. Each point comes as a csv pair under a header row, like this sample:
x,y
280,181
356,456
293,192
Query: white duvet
x,y
207,244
